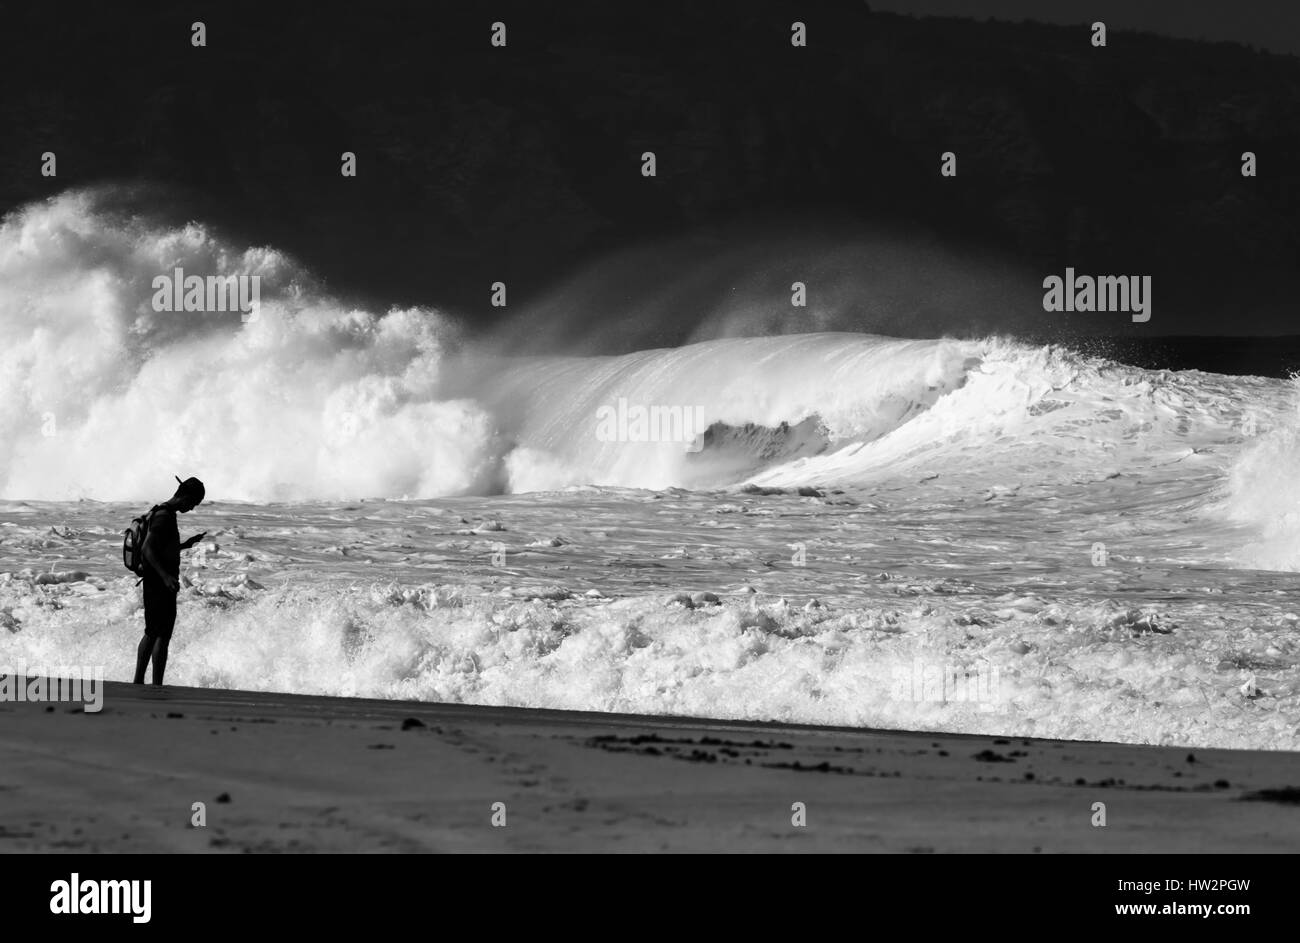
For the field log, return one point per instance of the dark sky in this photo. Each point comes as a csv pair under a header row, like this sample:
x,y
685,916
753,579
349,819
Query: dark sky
x,y
1270,24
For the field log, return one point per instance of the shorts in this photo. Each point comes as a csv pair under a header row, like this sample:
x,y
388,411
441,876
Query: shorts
x,y
159,610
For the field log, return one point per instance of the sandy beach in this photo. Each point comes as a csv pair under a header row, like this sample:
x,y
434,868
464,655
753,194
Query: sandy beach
x,y
292,773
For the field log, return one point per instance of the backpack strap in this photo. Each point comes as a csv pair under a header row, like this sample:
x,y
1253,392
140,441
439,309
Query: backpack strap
x,y
148,523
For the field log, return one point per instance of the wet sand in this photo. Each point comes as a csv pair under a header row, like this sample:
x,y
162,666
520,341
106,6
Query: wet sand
x,y
291,773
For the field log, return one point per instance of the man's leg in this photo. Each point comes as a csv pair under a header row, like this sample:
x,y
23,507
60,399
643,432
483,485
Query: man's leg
x,y
159,659
142,657
159,619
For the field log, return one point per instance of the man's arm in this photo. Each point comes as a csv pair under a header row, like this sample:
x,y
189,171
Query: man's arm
x,y
193,540
149,550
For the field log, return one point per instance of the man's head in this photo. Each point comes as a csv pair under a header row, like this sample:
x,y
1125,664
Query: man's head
x,y
189,494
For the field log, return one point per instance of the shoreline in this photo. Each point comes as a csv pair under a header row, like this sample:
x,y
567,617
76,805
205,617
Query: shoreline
x,y
301,773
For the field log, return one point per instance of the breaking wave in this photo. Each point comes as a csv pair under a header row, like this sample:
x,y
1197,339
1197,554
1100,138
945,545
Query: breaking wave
x,y
104,397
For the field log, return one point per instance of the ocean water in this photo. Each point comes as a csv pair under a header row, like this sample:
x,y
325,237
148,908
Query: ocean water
x,y
979,535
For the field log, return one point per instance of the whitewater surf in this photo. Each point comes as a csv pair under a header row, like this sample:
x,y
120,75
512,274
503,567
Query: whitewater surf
x,y
963,534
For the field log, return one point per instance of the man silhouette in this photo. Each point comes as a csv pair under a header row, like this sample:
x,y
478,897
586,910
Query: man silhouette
x,y
162,557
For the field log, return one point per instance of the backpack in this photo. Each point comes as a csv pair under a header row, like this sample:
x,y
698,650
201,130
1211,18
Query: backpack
x,y
133,542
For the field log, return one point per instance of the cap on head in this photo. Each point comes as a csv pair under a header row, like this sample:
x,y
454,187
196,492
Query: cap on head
x,y
191,490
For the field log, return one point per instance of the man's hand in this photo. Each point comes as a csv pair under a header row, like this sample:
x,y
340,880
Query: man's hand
x,y
193,540
170,582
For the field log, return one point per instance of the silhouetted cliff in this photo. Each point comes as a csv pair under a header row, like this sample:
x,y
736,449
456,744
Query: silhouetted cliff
x,y
478,163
